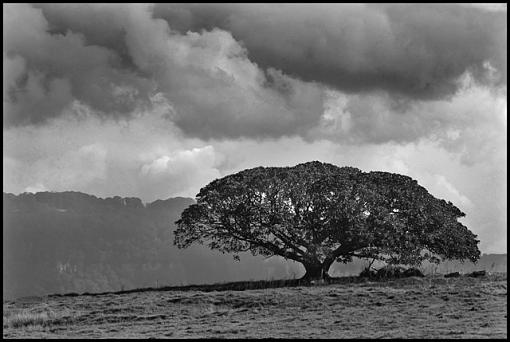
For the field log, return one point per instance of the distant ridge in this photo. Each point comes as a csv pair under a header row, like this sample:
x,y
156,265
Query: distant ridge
x,y
169,202
66,198
58,242
62,242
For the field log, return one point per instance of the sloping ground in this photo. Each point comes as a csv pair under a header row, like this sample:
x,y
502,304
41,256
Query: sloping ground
x,y
431,307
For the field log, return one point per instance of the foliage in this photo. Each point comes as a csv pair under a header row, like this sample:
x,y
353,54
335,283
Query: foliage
x,y
317,213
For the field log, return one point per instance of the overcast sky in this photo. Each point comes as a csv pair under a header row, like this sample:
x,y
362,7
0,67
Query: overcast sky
x,y
155,101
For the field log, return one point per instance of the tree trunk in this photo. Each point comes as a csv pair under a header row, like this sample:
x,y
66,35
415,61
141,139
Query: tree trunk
x,y
317,270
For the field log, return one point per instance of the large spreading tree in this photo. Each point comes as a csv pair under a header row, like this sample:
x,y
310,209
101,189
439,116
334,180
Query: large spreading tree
x,y
317,213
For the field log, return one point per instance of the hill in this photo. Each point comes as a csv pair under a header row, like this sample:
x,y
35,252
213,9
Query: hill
x,y
60,242
431,307
57,242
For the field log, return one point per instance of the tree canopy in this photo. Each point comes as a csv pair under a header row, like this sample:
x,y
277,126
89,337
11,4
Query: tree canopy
x,y
317,213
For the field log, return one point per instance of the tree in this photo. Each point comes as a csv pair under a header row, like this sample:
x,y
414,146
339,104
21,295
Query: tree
x,y
317,213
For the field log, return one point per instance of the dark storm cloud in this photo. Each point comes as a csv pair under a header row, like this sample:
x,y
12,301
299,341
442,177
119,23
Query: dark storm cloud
x,y
112,58
415,50
231,71
99,24
48,71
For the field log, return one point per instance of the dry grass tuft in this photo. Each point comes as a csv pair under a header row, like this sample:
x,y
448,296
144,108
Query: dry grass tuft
x,y
208,309
36,317
26,318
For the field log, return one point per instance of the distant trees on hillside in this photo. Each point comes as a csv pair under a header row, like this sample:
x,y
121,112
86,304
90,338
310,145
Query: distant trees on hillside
x,y
59,242
74,242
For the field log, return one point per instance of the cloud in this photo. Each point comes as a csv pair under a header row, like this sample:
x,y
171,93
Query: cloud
x,y
157,101
148,157
182,159
75,168
252,77
36,188
451,192
215,90
418,51
47,72
182,172
472,123
144,157
494,7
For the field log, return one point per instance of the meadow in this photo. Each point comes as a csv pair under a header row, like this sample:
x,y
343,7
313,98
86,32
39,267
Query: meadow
x,y
429,307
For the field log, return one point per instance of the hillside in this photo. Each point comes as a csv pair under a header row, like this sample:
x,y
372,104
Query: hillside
x,y
73,242
431,307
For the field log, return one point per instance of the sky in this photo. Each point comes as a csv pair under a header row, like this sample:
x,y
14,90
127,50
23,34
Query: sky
x,y
156,101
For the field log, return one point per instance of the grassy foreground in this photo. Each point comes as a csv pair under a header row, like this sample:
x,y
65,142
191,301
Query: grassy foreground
x,y
430,307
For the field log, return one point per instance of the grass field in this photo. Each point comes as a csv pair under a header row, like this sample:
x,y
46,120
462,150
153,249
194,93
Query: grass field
x,y
430,307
